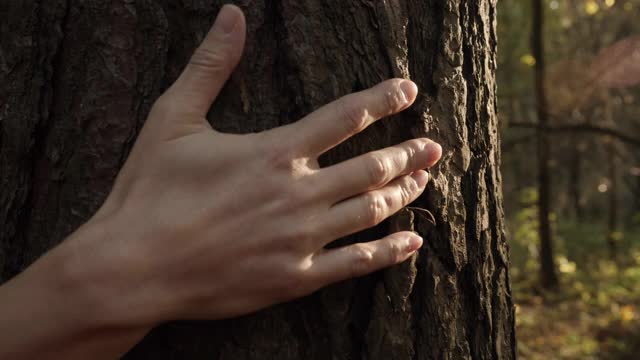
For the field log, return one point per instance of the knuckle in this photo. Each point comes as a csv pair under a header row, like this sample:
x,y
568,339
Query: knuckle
x,y
295,196
394,97
356,117
389,202
363,261
211,60
279,156
409,190
289,243
295,282
293,240
379,170
300,239
413,148
395,252
376,208
305,238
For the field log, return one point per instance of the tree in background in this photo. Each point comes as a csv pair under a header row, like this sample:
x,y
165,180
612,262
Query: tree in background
x,y
589,68
78,79
585,68
548,276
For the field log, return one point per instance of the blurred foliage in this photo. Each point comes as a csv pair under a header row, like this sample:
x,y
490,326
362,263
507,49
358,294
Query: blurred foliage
x,y
595,313
592,56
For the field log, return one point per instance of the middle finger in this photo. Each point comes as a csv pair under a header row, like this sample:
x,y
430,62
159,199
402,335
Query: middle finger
x,y
376,169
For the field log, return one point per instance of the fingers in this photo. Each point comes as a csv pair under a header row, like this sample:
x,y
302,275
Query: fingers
x,y
334,123
212,63
375,169
370,209
360,259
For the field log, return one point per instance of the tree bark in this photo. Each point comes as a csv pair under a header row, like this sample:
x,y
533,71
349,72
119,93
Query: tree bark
x,y
77,79
548,277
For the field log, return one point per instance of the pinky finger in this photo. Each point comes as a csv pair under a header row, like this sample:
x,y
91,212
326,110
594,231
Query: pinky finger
x,y
363,258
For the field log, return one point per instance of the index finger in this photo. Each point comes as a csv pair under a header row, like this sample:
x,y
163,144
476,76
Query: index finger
x,y
336,122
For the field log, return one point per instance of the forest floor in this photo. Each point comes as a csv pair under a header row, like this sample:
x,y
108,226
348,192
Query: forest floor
x,y
594,313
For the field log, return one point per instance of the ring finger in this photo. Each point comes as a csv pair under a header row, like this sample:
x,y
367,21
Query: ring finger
x,y
370,209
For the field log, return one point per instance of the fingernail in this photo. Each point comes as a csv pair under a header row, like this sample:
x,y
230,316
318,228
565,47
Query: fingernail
x,y
410,90
421,177
226,20
414,243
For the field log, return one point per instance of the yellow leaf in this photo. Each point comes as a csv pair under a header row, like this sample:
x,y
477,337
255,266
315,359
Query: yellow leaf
x,y
528,60
609,3
591,7
627,313
566,266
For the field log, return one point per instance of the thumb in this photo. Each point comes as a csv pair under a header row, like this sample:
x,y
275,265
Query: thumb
x,y
212,63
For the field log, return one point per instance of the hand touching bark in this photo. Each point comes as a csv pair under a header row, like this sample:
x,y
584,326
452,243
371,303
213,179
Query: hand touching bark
x,y
211,225
205,225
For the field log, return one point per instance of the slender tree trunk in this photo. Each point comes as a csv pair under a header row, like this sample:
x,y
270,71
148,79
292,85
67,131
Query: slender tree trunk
x,y
612,235
77,79
575,179
637,211
548,277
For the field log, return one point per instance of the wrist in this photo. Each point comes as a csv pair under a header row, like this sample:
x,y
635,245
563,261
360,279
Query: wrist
x,y
105,265
94,265
66,305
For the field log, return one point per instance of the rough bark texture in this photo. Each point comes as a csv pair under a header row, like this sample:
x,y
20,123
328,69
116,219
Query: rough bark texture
x,y
77,78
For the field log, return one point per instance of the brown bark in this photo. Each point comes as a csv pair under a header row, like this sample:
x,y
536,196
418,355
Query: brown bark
x,y
77,79
548,277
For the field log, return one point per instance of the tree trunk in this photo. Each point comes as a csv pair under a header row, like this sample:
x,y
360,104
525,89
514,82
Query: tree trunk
x,y
637,211
575,178
548,277
612,154
77,79
612,233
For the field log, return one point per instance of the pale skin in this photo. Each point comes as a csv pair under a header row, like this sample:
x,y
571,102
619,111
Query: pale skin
x,y
205,225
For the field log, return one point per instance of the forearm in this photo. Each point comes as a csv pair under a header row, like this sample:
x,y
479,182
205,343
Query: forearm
x,y
50,312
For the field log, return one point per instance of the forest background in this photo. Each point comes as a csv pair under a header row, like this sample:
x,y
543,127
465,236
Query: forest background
x,y
574,160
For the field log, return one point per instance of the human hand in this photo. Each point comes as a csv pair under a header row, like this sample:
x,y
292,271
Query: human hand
x,y
205,225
